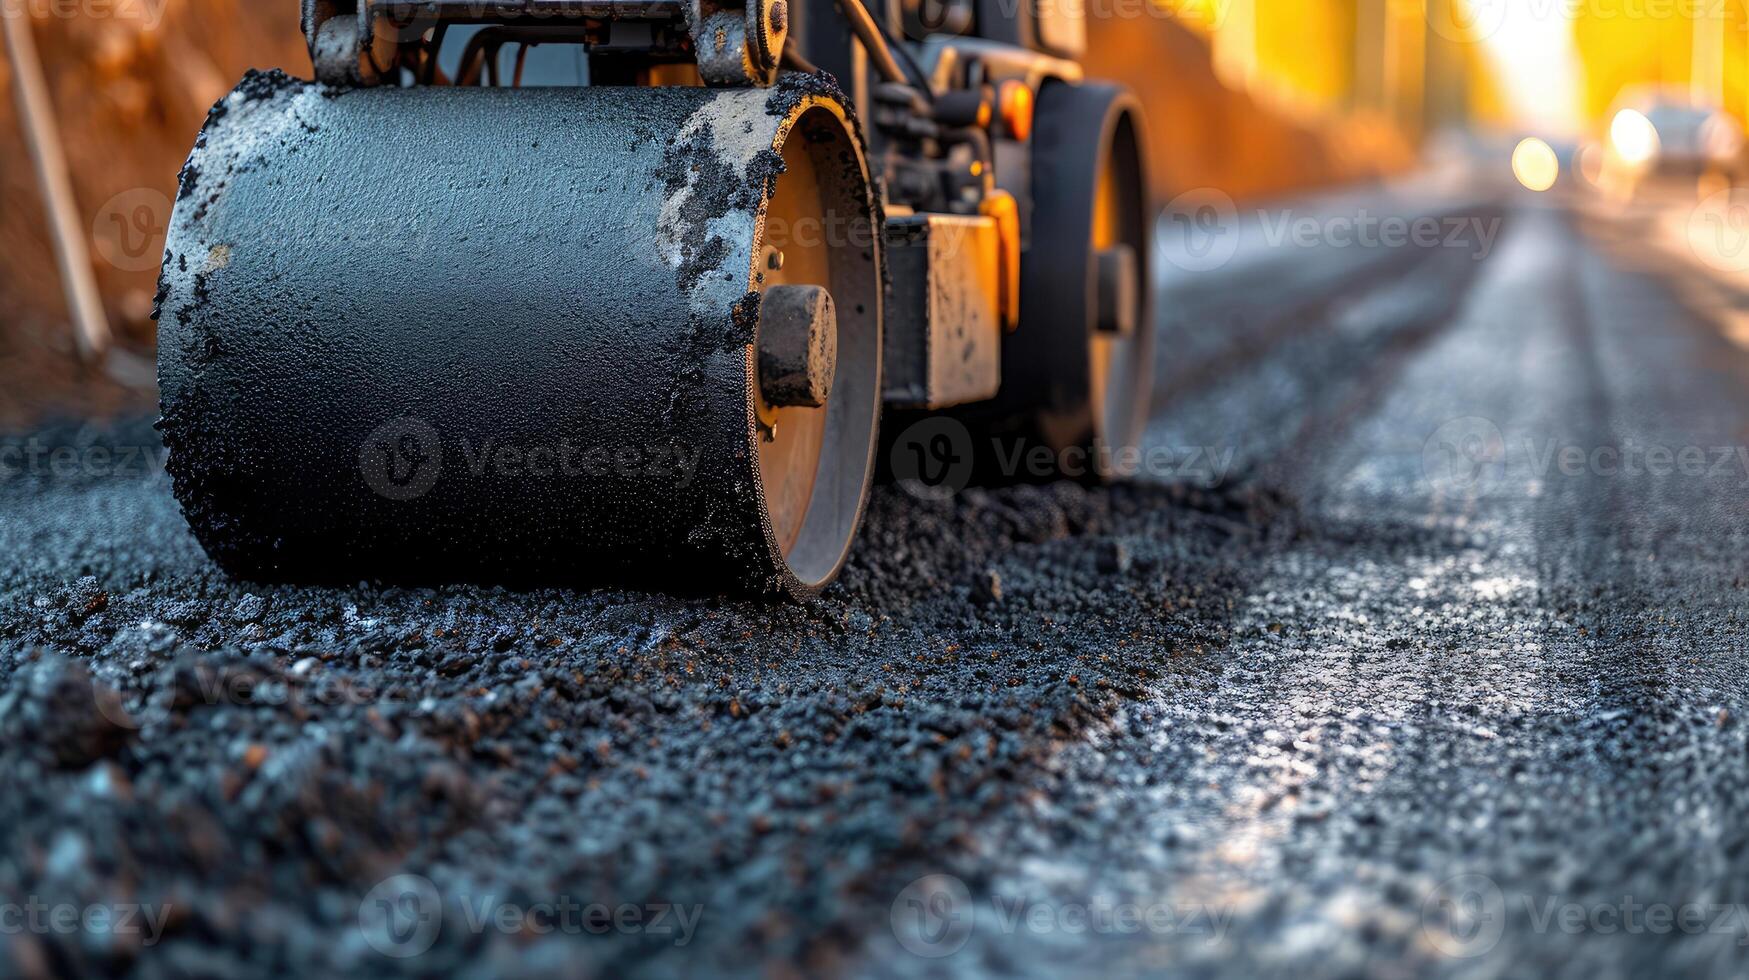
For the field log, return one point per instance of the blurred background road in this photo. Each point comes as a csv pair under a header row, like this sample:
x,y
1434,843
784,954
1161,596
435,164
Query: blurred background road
x,y
1417,646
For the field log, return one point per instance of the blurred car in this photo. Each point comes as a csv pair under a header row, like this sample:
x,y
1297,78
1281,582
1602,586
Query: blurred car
x,y
1664,135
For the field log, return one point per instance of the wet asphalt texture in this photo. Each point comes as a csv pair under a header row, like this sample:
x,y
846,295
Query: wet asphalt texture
x,y
1391,693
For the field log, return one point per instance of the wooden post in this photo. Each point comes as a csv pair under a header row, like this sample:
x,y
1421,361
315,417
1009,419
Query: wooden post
x,y
36,116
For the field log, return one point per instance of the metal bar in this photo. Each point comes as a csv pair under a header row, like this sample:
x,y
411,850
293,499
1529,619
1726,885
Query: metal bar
x,y
36,117
523,11
862,23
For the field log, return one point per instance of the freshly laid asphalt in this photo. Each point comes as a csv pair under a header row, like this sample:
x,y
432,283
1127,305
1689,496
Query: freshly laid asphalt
x,y
1418,649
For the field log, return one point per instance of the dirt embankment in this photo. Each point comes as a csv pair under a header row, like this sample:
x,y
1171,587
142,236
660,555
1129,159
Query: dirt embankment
x,y
1206,135
130,81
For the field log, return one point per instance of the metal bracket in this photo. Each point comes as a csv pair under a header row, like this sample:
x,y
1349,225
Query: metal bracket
x,y
346,46
944,314
355,42
738,46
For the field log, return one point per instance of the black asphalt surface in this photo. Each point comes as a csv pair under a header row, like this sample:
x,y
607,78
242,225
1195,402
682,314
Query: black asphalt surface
x,y
1365,676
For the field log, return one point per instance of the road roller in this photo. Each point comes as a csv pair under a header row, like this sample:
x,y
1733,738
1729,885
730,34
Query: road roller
x,y
621,290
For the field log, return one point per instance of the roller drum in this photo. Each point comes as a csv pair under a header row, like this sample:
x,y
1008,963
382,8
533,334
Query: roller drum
x,y
509,334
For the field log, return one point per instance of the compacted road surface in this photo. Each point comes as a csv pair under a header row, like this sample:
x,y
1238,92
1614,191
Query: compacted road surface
x,y
1417,646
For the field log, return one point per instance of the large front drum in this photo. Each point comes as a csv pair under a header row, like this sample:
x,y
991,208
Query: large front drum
x,y
510,334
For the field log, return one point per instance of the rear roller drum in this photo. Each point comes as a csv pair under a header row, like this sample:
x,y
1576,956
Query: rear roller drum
x,y
1078,373
591,334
